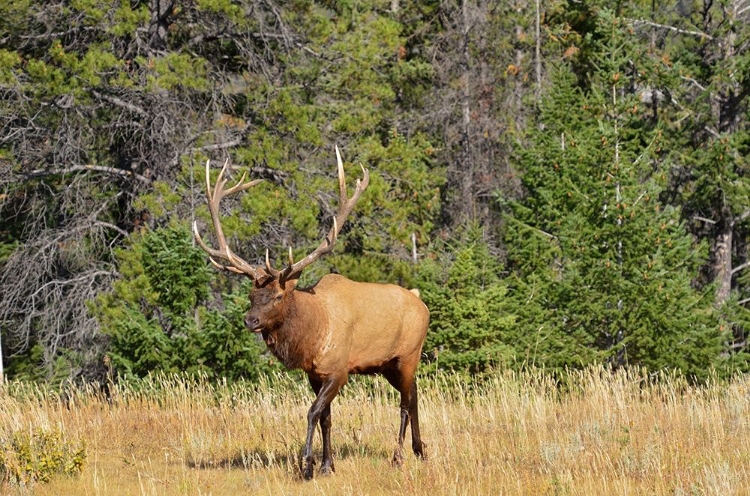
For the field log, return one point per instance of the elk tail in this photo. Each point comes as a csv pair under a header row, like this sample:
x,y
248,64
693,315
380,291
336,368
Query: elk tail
x,y
416,292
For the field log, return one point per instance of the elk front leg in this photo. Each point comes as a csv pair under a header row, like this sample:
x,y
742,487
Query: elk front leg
x,y
325,430
321,407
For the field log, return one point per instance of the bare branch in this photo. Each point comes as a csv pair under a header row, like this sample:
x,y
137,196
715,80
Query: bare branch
x,y
643,22
694,82
740,267
219,146
704,219
83,168
120,103
113,227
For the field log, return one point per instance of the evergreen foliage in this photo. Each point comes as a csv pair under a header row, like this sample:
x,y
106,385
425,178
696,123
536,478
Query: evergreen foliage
x,y
160,317
471,327
605,264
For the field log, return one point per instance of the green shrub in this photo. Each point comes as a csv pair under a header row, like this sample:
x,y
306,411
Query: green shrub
x,y
27,458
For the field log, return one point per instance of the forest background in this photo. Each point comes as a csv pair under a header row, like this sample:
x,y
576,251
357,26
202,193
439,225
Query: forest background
x,y
566,182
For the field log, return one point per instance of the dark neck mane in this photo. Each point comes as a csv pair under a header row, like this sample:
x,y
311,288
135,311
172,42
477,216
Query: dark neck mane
x,y
296,340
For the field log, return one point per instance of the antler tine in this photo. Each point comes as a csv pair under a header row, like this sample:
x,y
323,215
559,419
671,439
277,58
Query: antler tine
x,y
224,267
236,264
342,181
346,205
242,187
219,191
208,180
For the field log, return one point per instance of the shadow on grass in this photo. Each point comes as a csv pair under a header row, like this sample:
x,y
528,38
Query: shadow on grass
x,y
264,459
360,450
255,458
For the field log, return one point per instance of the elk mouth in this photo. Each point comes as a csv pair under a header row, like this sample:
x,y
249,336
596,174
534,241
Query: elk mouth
x,y
255,327
254,324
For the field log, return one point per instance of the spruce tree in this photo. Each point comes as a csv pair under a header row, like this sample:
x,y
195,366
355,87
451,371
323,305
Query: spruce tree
x,y
602,268
471,327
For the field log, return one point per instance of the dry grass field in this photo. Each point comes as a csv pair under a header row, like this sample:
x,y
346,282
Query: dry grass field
x,y
599,434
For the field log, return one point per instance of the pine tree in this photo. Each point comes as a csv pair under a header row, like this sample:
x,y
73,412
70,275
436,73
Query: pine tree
x,y
605,265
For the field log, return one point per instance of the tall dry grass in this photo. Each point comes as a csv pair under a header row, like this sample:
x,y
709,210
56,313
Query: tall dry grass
x,y
516,433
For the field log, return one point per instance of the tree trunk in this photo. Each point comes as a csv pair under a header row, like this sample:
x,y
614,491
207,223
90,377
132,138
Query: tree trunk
x,y
723,261
467,179
537,50
157,30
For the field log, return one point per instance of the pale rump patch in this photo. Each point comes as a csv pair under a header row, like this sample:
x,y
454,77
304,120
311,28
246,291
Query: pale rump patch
x,y
416,292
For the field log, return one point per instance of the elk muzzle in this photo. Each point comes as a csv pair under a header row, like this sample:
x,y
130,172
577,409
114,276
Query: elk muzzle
x,y
253,323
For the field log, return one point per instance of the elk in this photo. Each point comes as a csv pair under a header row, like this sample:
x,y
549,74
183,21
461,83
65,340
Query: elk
x,y
335,328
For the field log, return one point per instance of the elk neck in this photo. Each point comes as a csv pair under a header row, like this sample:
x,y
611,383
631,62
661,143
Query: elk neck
x,y
296,341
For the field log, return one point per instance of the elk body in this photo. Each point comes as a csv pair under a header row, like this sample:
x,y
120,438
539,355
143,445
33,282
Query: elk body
x,y
335,328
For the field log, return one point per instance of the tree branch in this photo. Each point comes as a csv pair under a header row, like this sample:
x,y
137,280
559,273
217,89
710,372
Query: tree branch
x,y
694,82
112,226
699,34
219,146
83,168
120,103
704,219
740,267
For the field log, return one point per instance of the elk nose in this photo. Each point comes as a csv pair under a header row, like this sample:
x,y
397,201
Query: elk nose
x,y
252,322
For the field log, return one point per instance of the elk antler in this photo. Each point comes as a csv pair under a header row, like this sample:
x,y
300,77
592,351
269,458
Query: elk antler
x,y
236,264
346,204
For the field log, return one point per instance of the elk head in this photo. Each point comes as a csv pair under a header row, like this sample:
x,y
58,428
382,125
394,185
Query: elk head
x,y
271,287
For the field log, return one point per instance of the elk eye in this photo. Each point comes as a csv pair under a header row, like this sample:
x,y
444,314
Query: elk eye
x,y
278,298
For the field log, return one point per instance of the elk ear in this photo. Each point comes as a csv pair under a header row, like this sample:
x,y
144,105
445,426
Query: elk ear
x,y
263,278
288,285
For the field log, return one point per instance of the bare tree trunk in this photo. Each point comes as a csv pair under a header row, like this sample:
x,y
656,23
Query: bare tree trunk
x,y
157,30
728,122
467,182
723,260
537,51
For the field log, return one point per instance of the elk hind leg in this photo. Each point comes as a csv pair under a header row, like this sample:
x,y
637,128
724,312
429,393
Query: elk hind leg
x,y
416,441
406,385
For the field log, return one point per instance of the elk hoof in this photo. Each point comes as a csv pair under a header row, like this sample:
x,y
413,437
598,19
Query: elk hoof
x,y
419,451
327,469
307,472
398,459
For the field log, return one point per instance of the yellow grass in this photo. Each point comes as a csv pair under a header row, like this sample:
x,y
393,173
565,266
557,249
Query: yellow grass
x,y
601,433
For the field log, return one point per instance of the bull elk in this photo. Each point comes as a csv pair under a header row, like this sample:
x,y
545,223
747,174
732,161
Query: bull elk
x,y
330,330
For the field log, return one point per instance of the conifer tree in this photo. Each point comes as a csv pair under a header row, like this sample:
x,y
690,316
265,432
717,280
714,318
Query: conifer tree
x,y
471,328
601,266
